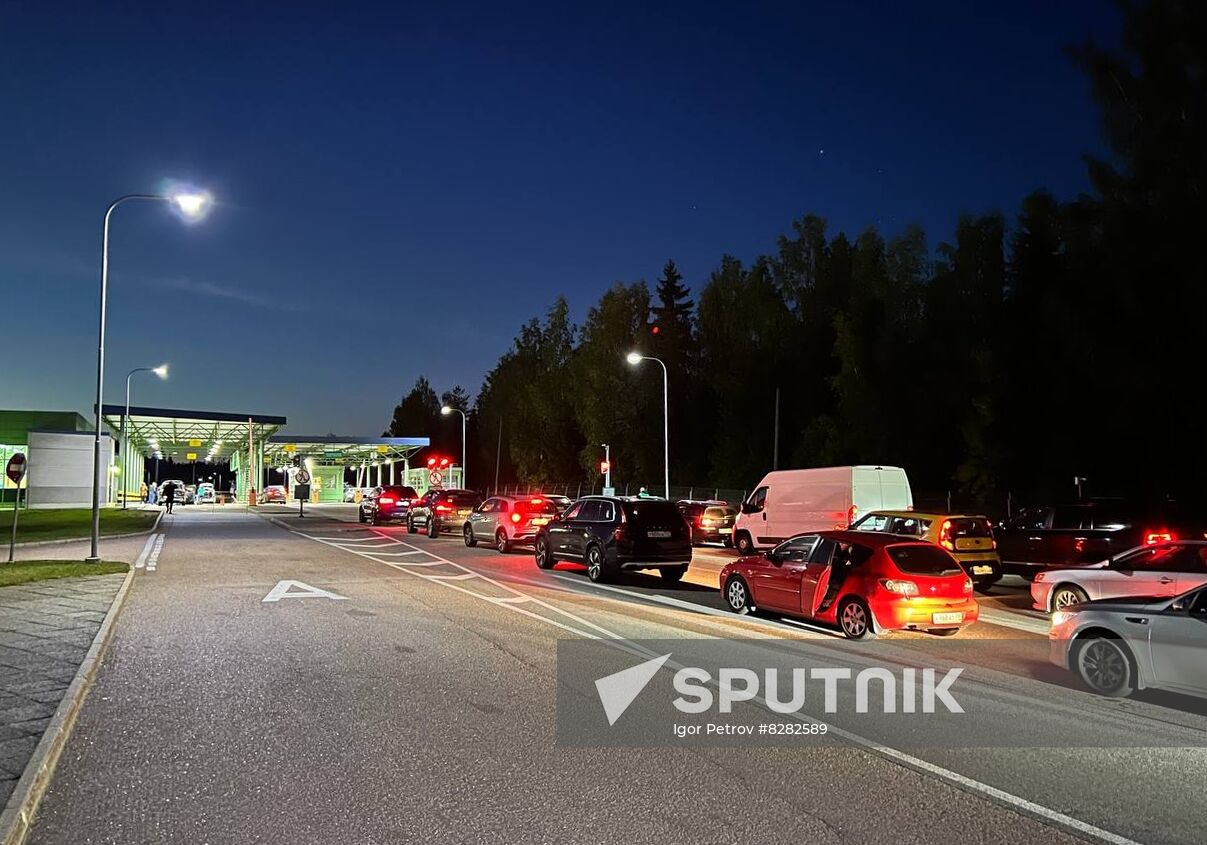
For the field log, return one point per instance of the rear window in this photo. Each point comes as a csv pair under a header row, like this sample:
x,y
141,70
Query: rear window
x,y
462,499
923,560
651,512
401,492
538,506
719,513
970,528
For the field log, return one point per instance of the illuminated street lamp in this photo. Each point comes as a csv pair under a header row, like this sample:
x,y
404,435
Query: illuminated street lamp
x,y
635,358
162,372
446,410
192,205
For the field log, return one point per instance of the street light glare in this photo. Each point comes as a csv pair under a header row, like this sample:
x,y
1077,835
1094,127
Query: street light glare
x,y
192,205
161,371
446,410
633,358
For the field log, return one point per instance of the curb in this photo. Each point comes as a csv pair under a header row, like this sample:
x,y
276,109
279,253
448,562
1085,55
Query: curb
x,y
33,543
18,815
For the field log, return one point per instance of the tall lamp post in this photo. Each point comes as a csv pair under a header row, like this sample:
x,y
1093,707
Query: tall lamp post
x,y
162,372
446,410
192,206
635,358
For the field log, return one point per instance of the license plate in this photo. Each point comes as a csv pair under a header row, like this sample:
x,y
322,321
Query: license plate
x,y
946,618
725,531
658,535
982,570
540,521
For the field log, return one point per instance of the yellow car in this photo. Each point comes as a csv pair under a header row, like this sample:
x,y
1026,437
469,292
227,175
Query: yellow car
x,y
969,539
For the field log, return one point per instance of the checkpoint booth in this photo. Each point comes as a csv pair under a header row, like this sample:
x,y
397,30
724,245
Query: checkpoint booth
x,y
330,458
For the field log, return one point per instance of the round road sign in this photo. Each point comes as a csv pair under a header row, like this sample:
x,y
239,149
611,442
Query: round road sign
x,y
435,478
302,477
16,468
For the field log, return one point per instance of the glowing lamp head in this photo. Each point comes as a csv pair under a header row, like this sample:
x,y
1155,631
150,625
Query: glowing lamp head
x,y
633,358
446,410
161,371
192,205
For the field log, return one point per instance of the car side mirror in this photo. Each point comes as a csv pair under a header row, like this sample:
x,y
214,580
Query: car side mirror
x,y
772,556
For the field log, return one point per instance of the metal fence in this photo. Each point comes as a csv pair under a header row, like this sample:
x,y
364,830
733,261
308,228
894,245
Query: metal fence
x,y
575,489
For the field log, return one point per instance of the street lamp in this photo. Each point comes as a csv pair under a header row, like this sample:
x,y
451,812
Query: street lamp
x,y
446,410
192,205
635,358
162,372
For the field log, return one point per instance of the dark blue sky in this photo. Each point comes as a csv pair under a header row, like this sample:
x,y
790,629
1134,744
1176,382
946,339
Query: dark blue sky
x,y
401,185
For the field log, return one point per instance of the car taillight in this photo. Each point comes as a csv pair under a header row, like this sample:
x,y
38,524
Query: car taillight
x,y
967,585
706,522
536,502
901,588
415,501
1163,535
444,508
1039,576
387,500
515,517
945,536
618,533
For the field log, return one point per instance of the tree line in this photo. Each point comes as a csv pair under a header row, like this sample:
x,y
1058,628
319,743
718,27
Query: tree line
x,y
1065,341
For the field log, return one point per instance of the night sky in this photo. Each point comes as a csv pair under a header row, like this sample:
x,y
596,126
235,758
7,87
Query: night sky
x,y
401,185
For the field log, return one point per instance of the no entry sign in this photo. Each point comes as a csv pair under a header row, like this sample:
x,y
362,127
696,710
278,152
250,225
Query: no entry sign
x,y
16,468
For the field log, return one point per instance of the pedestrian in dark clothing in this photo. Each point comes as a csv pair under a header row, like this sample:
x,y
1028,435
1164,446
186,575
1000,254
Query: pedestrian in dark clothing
x,y
169,494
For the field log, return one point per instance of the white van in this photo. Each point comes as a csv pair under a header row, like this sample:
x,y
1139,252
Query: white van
x,y
796,501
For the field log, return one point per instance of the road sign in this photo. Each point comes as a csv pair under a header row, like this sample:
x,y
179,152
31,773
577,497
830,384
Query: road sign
x,y
381,450
16,468
190,456
435,478
291,447
301,477
194,442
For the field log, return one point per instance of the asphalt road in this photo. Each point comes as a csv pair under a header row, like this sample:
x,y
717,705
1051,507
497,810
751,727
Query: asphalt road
x,y
421,706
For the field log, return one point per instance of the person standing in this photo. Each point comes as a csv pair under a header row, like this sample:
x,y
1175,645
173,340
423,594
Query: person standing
x,y
152,493
169,494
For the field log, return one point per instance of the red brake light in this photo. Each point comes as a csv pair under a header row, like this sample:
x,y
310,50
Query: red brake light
x,y
515,517
1163,535
387,500
444,508
536,502
945,536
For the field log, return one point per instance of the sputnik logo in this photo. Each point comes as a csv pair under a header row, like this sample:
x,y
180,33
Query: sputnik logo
x,y
617,691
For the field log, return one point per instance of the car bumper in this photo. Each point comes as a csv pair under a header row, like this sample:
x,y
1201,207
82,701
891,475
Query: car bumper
x,y
712,535
920,613
1041,594
981,566
390,514
653,561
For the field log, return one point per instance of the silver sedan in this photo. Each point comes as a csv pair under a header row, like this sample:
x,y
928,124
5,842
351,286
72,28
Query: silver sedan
x,y
1122,645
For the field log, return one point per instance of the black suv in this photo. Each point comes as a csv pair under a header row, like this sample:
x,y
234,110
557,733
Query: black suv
x,y
610,534
1088,532
391,503
711,521
440,510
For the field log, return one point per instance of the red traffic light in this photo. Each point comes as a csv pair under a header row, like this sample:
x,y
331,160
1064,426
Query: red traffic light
x,y
431,462
604,466
444,462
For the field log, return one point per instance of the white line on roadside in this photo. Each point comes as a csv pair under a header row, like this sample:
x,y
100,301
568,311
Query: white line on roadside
x,y
918,764
152,561
146,550
1015,620
396,554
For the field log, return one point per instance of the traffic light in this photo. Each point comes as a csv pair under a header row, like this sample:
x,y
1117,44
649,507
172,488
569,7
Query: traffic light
x,y
431,462
443,463
604,466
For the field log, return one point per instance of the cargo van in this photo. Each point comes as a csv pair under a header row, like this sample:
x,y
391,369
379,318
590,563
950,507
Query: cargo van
x,y
797,501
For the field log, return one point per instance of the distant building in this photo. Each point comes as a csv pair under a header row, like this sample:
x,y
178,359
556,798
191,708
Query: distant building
x,y
58,446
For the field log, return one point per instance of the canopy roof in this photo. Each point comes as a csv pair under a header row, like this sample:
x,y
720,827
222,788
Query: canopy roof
x,y
173,433
340,450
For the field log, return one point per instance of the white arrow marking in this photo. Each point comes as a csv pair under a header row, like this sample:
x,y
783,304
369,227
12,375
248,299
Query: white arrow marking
x,y
617,691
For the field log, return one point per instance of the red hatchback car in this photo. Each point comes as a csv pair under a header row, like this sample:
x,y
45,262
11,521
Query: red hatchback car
x,y
862,582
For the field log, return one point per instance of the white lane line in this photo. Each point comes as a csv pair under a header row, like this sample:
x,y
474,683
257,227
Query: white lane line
x,y
338,539
615,640
146,550
464,576
394,554
1015,621
405,565
153,559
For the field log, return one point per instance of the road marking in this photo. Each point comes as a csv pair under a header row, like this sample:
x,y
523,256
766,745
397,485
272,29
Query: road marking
x,y
1015,620
614,640
299,590
152,562
146,550
396,554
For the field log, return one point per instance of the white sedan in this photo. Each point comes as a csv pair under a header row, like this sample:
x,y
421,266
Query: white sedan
x,y
1156,570
1123,645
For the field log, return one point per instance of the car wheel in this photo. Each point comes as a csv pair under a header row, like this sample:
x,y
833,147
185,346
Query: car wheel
x,y
1067,595
673,574
501,542
855,620
362,517
944,632
744,545
596,564
433,530
544,554
410,525
737,595
1106,666
469,536
727,542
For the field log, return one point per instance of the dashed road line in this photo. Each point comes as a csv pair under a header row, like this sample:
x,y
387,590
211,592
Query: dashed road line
x,y
149,558
146,550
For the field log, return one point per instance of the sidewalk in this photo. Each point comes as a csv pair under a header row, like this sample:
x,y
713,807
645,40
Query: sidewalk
x,y
46,629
